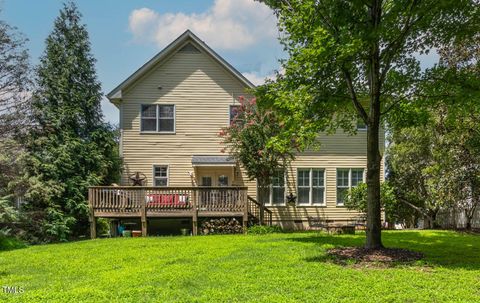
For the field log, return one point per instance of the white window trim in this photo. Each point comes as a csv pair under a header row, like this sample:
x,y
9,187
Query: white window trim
x,y
270,192
349,181
157,110
310,187
155,178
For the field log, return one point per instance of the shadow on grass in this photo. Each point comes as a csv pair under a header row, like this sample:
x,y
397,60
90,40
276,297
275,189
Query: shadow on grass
x,y
440,248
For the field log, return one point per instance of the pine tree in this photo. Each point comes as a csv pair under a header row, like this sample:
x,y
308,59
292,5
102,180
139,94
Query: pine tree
x,y
72,147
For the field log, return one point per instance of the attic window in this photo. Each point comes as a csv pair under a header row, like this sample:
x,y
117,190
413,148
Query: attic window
x,y
189,48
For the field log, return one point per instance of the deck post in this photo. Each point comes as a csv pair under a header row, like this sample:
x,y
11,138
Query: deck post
x,y
143,213
91,216
93,225
195,213
245,210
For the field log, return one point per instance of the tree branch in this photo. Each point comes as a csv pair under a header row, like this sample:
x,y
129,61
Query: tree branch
x,y
361,111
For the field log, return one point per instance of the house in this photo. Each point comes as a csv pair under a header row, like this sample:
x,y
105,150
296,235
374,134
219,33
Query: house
x,y
171,111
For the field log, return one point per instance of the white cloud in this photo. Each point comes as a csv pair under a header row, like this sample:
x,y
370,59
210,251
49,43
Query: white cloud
x,y
256,78
228,24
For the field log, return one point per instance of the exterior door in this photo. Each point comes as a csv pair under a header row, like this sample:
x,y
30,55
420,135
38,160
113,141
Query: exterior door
x,y
216,177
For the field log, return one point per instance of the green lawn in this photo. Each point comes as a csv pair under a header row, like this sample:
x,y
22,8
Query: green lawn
x,y
270,268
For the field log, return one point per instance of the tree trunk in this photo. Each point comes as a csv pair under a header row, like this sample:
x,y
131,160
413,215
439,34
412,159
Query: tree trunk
x,y
263,196
374,223
427,222
469,217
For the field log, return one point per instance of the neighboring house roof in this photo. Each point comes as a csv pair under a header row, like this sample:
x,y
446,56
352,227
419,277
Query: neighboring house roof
x,y
213,160
116,93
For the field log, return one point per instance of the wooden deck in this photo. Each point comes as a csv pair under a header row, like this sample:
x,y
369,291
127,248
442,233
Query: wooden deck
x,y
153,202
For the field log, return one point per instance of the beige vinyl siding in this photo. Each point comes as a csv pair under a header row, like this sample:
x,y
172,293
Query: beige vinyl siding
x,y
330,211
202,91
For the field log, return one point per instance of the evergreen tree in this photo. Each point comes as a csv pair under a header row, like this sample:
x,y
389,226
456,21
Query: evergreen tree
x,y
71,148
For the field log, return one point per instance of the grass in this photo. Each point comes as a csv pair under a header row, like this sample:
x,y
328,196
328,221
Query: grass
x,y
238,268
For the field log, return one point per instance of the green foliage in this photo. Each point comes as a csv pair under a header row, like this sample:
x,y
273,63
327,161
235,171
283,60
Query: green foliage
x,y
8,216
294,268
394,210
357,59
435,164
72,148
10,243
264,229
103,226
247,138
8,213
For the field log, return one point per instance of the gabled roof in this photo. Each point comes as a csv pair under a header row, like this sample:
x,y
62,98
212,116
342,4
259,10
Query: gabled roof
x,y
116,93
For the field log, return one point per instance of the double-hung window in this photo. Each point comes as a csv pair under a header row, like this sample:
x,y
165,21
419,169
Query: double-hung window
x,y
311,186
157,118
346,179
160,175
275,193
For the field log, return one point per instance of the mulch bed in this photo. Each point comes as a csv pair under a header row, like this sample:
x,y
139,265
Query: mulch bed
x,y
383,257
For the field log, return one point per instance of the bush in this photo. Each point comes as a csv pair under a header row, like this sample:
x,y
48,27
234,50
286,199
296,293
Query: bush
x,y
103,227
9,243
264,229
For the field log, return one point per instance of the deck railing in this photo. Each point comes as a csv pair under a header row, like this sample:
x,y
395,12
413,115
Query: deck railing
x,y
132,200
259,212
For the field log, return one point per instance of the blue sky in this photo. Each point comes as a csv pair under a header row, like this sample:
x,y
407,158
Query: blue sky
x,y
125,34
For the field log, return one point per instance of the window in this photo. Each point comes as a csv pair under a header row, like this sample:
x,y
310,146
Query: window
x,y
311,186
278,188
206,181
318,186
361,124
233,113
303,186
346,179
160,175
222,180
158,118
149,118
275,193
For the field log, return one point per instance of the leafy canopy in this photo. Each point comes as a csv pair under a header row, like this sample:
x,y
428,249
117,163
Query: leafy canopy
x,y
247,137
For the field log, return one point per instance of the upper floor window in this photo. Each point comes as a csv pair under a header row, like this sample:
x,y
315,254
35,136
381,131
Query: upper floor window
x,y
234,109
157,118
361,124
160,175
346,179
311,186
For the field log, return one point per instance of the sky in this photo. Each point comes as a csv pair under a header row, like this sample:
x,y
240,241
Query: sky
x,y
126,34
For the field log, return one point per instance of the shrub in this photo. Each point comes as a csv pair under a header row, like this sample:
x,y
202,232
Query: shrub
x,y
9,243
103,227
264,229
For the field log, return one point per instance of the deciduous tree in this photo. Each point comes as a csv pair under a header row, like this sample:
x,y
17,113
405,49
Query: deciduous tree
x,y
350,59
